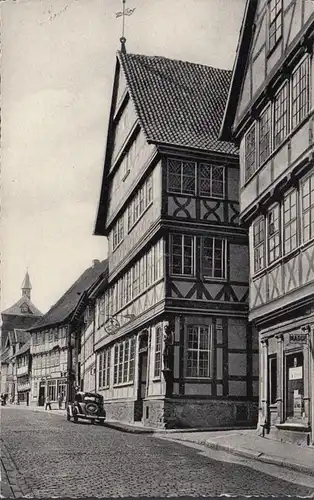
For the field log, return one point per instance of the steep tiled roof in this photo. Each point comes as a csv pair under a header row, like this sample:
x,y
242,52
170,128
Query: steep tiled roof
x,y
5,355
177,102
15,310
23,349
18,336
65,306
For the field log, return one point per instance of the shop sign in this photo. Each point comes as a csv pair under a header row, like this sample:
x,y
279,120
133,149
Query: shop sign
x,y
298,338
295,373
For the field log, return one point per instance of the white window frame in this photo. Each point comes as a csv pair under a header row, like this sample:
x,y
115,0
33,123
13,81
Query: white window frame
x,y
182,162
209,351
183,236
224,246
260,244
273,234
119,367
249,172
310,209
289,223
157,352
286,104
270,24
200,177
306,61
261,161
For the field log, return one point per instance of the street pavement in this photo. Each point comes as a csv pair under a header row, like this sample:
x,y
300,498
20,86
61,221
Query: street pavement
x,y
57,458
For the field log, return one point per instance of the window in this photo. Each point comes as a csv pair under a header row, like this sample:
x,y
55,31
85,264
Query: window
x,y
214,257
259,244
158,260
211,180
52,389
140,202
281,115
56,335
136,278
290,222
182,254
104,369
265,135
273,234
250,153
158,340
300,92
275,23
272,363
124,361
181,177
199,346
118,233
307,195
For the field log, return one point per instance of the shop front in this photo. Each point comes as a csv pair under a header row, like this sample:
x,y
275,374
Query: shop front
x,y
52,388
287,382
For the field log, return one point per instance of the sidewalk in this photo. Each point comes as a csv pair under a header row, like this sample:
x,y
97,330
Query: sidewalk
x,y
247,443
12,484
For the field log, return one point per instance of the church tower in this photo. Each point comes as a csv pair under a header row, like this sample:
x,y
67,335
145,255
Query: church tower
x,y
26,286
22,315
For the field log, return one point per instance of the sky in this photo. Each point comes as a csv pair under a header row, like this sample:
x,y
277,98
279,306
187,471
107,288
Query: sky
x,y
58,59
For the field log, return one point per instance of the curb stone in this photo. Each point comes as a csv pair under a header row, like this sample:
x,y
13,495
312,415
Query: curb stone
x,y
14,485
259,456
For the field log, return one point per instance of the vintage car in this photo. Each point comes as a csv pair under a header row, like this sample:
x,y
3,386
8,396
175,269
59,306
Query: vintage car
x,y
88,406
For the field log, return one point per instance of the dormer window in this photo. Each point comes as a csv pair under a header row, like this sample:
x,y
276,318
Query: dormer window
x,y
275,23
24,308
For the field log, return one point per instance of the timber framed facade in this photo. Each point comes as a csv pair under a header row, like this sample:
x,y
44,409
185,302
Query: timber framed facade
x,y
272,120
181,354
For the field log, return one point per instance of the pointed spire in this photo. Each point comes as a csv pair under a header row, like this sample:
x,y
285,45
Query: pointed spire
x,y
26,286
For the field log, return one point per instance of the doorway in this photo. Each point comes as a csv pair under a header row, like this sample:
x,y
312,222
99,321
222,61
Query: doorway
x,y
142,375
294,386
41,397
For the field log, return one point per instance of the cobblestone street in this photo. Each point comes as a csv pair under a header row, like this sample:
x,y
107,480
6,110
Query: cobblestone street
x,y
58,458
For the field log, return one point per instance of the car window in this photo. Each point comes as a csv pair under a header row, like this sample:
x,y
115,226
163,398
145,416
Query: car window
x,y
78,398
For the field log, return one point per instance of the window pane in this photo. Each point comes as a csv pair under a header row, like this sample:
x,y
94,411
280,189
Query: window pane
x,y
265,135
281,115
188,178
300,93
250,153
174,176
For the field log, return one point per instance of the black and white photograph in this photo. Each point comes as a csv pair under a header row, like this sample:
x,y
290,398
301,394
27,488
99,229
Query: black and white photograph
x,y
157,248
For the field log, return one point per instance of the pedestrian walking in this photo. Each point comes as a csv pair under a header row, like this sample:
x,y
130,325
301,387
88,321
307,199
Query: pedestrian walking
x,y
60,400
48,403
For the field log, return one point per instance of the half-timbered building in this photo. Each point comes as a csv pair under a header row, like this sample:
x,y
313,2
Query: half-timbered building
x,y
173,346
84,319
270,115
55,363
15,321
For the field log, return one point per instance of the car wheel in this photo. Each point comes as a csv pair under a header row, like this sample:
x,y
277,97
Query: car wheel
x,y
75,419
101,422
68,417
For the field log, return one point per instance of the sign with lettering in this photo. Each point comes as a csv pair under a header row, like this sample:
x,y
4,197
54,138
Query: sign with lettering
x,y
295,373
298,338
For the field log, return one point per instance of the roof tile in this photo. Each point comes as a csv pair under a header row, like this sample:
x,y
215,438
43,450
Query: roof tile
x,y
178,102
64,307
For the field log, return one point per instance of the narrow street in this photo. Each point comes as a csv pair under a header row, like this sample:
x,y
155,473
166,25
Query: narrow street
x,y
63,459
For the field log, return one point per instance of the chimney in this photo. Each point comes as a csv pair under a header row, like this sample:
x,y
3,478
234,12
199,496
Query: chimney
x,y
96,262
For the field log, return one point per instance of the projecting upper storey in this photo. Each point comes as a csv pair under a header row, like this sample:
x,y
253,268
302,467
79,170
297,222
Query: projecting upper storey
x,y
270,103
157,102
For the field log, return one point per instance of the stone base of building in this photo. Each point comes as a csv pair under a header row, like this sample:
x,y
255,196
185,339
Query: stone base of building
x,y
184,413
299,435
